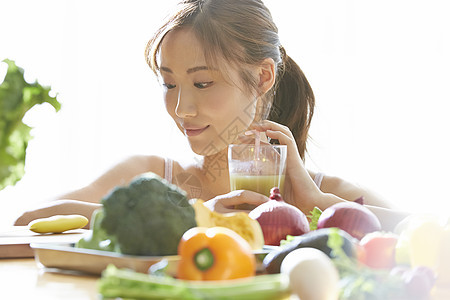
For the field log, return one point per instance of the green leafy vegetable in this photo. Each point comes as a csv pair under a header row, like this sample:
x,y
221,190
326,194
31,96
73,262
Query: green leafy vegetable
x,y
16,98
127,284
289,238
97,238
335,243
147,217
358,282
314,218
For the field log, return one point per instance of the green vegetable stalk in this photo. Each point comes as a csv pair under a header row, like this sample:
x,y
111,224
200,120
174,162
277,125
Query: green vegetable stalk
x,y
127,284
96,238
16,98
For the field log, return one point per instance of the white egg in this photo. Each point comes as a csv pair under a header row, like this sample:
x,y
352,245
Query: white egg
x,y
312,274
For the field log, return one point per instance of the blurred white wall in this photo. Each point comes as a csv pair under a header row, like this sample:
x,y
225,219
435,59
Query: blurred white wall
x,y
379,69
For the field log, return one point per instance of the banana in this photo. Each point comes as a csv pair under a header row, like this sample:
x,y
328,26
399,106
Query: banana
x,y
58,223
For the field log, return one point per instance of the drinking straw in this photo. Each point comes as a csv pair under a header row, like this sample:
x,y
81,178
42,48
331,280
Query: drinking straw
x,y
257,144
257,135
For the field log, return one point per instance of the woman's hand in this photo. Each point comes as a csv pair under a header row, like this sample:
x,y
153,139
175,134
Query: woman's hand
x,y
300,189
227,203
58,207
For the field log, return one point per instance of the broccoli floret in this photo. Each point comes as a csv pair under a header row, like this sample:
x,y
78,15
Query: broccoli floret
x,y
97,238
148,217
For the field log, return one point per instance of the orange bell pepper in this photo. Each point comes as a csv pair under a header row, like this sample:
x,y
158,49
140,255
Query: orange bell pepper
x,y
215,253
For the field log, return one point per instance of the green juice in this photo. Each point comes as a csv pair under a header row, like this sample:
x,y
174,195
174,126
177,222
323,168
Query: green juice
x,y
257,183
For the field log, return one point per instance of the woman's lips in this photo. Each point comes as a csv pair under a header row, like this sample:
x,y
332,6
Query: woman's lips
x,y
194,132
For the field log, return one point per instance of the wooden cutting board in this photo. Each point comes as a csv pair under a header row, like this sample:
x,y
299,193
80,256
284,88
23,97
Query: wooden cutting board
x,y
15,240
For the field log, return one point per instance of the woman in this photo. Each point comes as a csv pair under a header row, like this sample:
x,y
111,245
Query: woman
x,y
224,72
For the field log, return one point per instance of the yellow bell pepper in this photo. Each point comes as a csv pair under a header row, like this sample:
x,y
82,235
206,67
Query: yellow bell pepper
x,y
215,253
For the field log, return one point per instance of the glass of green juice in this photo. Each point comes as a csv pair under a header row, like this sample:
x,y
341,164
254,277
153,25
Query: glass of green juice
x,y
257,168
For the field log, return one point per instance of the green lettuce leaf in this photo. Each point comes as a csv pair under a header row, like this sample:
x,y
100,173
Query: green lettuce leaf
x,y
314,218
17,97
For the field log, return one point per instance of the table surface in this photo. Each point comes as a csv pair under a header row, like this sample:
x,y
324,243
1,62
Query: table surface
x,y
23,279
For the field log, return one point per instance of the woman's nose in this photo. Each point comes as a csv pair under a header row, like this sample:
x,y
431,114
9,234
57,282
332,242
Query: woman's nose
x,y
185,105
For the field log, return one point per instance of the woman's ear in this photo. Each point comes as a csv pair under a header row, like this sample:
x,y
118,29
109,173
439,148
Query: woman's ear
x,y
266,75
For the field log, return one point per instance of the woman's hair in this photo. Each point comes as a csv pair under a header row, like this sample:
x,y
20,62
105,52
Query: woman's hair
x,y
241,34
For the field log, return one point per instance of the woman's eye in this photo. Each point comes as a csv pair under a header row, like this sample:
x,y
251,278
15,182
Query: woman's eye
x,y
169,86
203,85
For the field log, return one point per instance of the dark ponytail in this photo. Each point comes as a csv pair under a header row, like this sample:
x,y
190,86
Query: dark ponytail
x,y
293,101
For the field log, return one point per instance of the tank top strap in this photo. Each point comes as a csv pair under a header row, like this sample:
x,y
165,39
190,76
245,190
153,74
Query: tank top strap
x,y
168,167
318,179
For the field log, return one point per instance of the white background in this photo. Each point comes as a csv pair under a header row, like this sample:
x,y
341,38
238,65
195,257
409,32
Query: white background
x,y
380,71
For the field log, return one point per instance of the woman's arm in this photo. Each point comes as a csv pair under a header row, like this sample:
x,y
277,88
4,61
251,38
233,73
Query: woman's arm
x,y
301,191
58,207
388,214
85,200
388,217
350,191
120,174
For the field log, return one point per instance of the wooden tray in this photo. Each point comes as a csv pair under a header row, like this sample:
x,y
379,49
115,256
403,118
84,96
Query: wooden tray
x,y
67,257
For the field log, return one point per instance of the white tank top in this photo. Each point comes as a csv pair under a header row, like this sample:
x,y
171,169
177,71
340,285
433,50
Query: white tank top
x,y
168,166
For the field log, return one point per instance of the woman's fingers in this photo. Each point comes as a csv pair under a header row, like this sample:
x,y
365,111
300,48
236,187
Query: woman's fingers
x,y
270,125
242,196
268,129
280,136
278,132
228,202
275,131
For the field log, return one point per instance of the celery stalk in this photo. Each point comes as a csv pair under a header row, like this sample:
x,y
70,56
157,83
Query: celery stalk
x,y
132,285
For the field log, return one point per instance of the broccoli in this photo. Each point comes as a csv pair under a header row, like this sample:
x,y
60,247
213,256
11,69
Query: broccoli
x,y
97,238
148,217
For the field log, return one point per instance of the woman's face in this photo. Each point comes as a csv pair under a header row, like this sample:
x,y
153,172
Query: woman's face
x,y
209,110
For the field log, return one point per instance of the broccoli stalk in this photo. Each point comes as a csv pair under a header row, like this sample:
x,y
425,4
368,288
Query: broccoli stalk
x,y
97,238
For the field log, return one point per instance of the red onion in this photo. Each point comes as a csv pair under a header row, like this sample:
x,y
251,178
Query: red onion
x,y
351,217
278,219
275,194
